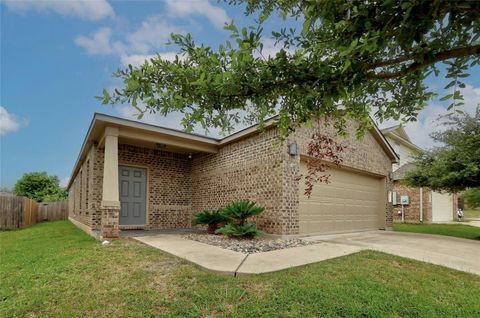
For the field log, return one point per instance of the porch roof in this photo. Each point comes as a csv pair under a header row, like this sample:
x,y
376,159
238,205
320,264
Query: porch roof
x,y
168,139
142,134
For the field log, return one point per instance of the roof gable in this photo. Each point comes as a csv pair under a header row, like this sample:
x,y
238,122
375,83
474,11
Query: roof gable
x,y
399,134
397,130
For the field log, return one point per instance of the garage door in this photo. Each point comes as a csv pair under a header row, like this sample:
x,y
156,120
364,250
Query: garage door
x,y
442,207
350,202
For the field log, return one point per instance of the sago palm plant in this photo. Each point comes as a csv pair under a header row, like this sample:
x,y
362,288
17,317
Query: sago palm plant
x,y
241,211
213,220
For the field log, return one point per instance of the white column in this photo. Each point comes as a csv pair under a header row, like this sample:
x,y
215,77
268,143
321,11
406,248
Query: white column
x,y
421,204
110,197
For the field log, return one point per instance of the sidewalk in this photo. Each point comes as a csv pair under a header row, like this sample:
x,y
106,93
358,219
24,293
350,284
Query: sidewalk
x,y
456,253
229,262
473,223
470,222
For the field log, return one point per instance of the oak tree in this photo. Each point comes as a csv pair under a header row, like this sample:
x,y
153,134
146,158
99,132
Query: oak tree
x,y
455,165
347,60
40,187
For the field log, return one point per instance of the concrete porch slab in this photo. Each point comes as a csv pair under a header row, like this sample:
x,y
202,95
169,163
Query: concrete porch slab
x,y
154,232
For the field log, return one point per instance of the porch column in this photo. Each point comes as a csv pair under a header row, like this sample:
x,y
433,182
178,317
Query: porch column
x,y
110,199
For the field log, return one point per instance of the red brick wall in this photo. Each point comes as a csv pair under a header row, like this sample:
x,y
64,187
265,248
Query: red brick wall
x,y
247,169
81,206
253,168
168,186
412,210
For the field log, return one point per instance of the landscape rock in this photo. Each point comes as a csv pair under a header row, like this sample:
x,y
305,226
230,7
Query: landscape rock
x,y
246,245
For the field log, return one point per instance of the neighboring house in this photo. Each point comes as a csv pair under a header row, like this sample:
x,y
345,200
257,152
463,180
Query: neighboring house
x,y
424,205
132,175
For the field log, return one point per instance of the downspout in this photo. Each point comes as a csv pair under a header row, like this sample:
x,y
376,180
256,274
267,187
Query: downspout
x,y
421,205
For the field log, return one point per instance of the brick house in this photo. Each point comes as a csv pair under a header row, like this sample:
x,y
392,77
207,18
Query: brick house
x,y
132,175
424,205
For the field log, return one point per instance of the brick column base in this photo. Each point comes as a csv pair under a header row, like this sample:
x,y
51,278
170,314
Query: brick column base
x,y
110,218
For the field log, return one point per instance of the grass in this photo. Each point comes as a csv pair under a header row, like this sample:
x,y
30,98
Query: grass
x,y
457,230
471,213
55,270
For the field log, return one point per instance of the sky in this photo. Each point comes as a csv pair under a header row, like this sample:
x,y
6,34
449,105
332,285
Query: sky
x,y
56,56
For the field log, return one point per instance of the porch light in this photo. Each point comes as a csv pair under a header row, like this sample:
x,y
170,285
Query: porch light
x,y
293,149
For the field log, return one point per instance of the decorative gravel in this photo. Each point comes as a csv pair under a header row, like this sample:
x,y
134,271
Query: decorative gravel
x,y
247,246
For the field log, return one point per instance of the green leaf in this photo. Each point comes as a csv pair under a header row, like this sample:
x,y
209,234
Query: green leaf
x,y
446,97
452,83
306,26
244,32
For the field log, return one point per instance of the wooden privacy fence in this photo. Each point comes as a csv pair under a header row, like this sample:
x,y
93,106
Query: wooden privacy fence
x,y
20,212
52,211
17,212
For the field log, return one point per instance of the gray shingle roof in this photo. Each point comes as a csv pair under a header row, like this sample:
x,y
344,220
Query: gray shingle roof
x,y
400,172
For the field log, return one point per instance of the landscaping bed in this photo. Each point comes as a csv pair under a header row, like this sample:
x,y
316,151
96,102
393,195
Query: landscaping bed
x,y
246,245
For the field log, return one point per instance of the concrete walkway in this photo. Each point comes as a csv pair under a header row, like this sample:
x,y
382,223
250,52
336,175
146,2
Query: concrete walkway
x,y
225,261
460,254
207,256
470,222
473,223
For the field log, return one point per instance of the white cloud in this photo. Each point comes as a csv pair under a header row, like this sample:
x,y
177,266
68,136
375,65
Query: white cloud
x,y
99,43
152,34
9,123
270,49
172,120
135,59
138,45
428,122
183,8
86,9
135,49
64,182
139,59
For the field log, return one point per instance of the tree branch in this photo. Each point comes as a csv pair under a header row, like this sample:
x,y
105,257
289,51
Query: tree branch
x,y
392,61
415,66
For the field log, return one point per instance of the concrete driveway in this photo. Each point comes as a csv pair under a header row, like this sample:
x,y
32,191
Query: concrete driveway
x,y
456,253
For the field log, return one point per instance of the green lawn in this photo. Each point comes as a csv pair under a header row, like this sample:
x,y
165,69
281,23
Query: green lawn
x,y
55,270
457,230
471,213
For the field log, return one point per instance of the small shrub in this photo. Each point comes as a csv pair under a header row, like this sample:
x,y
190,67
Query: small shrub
x,y
213,220
237,230
240,211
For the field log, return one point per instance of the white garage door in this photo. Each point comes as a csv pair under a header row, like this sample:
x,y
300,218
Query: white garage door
x,y
442,207
350,202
